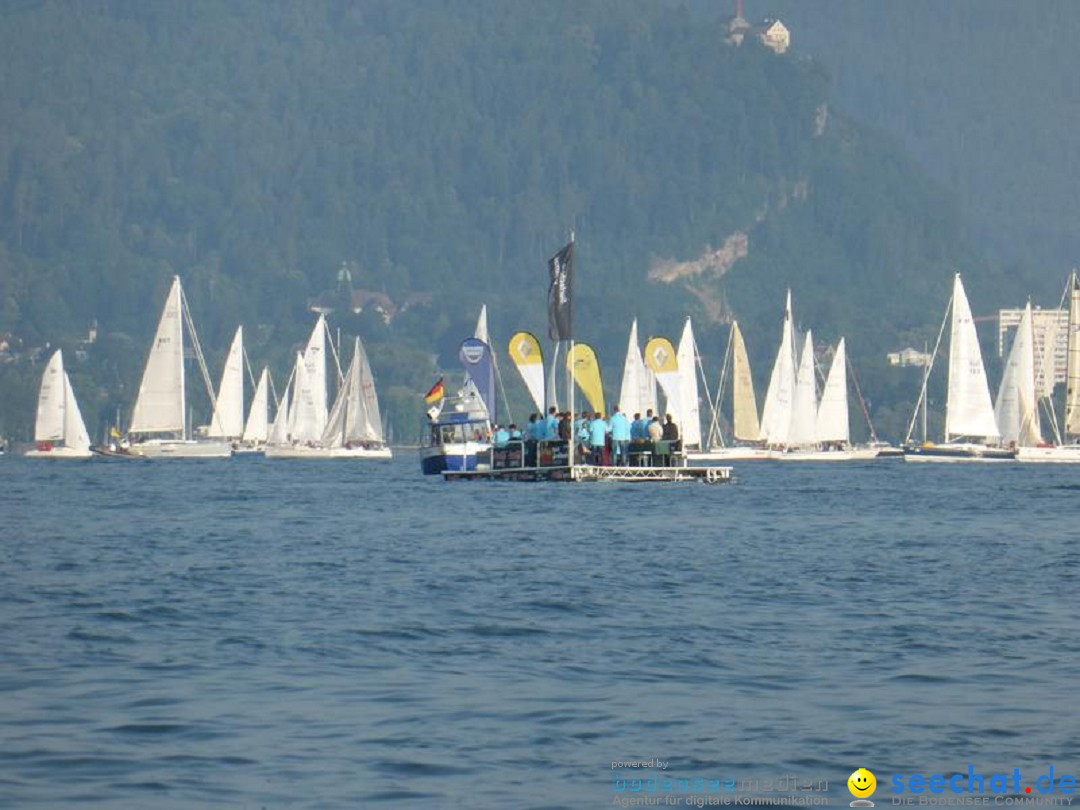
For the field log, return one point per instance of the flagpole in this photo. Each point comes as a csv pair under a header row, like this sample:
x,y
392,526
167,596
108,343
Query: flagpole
x,y
570,367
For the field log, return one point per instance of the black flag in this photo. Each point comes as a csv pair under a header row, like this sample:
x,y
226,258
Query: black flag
x,y
560,321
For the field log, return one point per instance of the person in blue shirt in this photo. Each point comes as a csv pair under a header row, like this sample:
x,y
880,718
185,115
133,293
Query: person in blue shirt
x,y
502,436
620,438
581,431
639,429
515,434
538,429
598,431
551,424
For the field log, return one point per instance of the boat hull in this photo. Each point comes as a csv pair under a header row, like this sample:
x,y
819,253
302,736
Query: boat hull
x,y
1062,454
452,457
327,453
958,453
591,473
730,454
847,454
62,453
180,448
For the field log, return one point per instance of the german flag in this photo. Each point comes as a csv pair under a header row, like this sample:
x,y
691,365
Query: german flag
x,y
436,394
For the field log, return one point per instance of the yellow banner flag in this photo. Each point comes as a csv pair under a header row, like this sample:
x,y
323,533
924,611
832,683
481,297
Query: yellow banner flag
x,y
582,361
529,361
660,356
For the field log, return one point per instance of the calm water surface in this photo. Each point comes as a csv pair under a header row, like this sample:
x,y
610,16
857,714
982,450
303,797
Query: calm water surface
x,y
291,634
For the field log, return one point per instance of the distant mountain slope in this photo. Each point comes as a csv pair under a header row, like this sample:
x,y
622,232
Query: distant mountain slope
x,y
439,151
983,94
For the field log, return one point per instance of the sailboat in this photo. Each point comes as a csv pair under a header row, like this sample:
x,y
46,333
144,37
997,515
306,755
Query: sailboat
x,y
301,420
1067,452
831,431
971,431
790,412
746,429
353,427
59,431
159,425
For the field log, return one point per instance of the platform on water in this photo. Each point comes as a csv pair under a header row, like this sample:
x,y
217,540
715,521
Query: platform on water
x,y
589,472
548,460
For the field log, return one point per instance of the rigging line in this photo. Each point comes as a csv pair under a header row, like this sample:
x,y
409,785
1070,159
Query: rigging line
x,y
926,376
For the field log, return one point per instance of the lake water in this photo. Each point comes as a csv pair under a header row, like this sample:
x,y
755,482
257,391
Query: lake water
x,y
349,634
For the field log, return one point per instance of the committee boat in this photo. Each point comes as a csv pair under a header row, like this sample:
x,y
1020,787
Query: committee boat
x,y
459,430
558,458
59,430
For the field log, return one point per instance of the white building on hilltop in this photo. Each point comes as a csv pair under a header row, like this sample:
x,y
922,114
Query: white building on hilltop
x,y
775,36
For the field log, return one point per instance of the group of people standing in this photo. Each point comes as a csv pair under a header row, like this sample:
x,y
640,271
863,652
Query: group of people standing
x,y
598,439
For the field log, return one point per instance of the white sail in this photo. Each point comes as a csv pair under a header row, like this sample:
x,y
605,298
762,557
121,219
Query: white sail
x,y
345,405
804,408
228,420
305,424
1072,374
279,430
75,435
638,391
159,406
49,425
832,415
367,425
968,411
1015,409
633,367
744,403
780,397
315,380
690,416
257,428
481,332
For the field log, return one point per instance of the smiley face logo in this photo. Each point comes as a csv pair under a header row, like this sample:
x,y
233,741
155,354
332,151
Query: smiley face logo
x,y
862,783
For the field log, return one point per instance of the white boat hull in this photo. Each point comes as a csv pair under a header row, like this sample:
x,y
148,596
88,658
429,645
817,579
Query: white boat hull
x,y
847,454
180,448
814,455
730,454
1063,454
327,453
69,453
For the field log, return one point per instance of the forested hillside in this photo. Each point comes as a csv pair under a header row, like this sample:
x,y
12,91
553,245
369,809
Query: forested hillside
x,y
440,151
